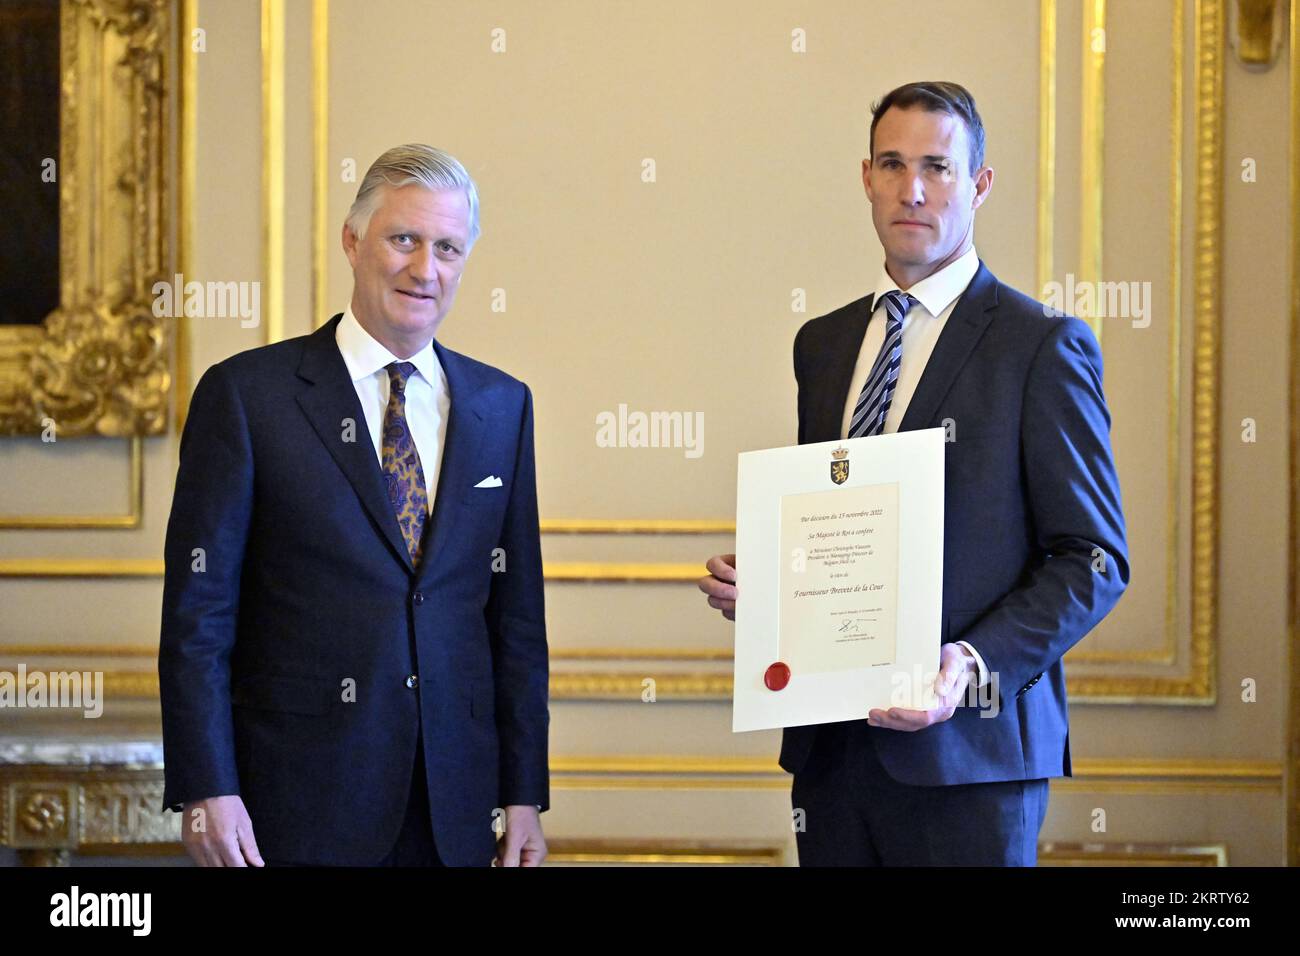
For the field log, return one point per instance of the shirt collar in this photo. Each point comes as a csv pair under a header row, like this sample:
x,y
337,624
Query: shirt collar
x,y
364,355
935,292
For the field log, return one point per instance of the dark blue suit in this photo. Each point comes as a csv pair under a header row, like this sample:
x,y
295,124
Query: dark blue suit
x,y
308,592
1034,540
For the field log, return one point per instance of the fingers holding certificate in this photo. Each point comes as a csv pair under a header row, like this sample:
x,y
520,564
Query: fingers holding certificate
x,y
842,545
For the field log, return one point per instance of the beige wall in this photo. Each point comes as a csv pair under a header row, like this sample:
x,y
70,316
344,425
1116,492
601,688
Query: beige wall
x,y
676,295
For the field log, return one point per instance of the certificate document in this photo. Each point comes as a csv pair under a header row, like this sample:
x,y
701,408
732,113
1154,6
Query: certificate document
x,y
839,560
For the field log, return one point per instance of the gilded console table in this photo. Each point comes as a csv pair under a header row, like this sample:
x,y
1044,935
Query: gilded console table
x,y
91,796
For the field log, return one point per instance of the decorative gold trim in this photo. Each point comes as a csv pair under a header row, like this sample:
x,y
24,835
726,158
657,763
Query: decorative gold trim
x,y
622,686
593,571
1254,28
1173,451
99,364
25,651
1092,166
1046,139
588,852
1293,523
622,571
1157,655
135,493
320,138
119,683
1206,280
1168,653
273,168
1131,854
187,145
681,654
80,568
1197,688
1146,776
638,526
1129,768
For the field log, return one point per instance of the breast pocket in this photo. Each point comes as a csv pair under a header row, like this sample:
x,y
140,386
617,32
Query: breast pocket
x,y
483,510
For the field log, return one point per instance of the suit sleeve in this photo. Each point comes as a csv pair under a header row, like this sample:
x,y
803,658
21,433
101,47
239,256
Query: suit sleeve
x,y
516,621
802,393
204,553
1074,505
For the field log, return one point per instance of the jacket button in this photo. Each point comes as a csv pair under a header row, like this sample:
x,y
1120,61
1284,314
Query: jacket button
x,y
412,682
418,598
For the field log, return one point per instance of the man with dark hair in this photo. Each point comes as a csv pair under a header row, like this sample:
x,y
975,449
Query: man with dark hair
x,y
947,98
1034,539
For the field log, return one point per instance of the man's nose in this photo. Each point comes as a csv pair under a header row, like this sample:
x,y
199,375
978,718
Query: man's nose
x,y
913,190
423,265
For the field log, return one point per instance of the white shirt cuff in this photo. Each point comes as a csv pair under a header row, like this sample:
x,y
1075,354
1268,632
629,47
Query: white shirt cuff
x,y
980,667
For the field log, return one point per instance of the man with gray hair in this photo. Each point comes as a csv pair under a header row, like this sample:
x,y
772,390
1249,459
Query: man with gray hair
x,y
353,663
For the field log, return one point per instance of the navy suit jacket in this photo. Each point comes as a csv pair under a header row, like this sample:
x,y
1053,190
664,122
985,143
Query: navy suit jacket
x,y
288,640
1034,548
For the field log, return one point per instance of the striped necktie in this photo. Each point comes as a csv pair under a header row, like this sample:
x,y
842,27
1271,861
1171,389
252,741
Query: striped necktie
x,y
878,391
401,462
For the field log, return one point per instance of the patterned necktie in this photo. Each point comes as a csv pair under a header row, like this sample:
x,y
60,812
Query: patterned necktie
x,y
878,391
402,471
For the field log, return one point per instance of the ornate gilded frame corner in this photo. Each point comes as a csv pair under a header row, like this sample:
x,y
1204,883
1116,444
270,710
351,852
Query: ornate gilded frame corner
x,y
101,362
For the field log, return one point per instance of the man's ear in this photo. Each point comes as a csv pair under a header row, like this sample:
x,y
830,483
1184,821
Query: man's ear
x,y
866,179
350,245
983,184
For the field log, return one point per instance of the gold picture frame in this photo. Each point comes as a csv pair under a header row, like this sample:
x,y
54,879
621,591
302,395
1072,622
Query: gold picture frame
x,y
100,363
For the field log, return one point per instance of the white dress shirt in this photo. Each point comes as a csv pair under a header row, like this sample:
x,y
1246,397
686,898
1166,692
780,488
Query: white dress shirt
x,y
936,296
428,397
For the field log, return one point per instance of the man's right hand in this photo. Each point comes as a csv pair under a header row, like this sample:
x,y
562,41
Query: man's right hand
x,y
218,832
720,585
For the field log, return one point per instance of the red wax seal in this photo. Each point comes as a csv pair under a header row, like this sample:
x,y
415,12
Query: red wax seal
x,y
777,676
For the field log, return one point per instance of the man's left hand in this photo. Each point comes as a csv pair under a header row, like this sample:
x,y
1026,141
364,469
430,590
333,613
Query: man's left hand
x,y
957,669
523,843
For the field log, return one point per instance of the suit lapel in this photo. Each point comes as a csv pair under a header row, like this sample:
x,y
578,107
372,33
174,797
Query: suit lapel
x,y
465,428
958,339
332,399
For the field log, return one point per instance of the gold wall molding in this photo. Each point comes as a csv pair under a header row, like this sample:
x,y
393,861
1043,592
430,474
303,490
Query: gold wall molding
x,y
1293,522
81,568
621,686
1046,140
187,146
320,140
1255,29
1167,653
638,526
100,363
130,520
585,851
1092,171
1143,776
1197,686
273,145
587,685
556,654
1131,854
677,852
620,571
612,572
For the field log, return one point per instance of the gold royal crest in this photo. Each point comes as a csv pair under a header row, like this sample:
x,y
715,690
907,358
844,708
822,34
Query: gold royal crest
x,y
840,465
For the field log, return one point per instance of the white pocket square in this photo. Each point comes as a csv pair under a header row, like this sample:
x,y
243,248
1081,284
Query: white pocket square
x,y
491,481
